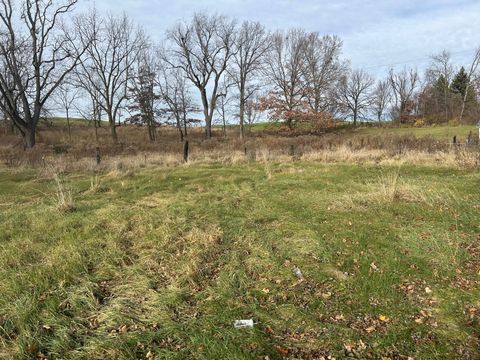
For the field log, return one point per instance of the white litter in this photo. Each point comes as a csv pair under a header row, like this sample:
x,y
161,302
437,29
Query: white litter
x,y
243,324
297,272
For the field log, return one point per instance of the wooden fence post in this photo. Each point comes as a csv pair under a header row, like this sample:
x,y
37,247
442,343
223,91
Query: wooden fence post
x,y
98,156
292,150
185,151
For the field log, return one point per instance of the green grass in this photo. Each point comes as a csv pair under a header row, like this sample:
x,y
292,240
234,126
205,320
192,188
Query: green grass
x,y
159,263
443,132
62,122
439,131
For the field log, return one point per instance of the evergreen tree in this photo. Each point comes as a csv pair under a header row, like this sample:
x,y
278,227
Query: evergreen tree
x,y
460,82
441,84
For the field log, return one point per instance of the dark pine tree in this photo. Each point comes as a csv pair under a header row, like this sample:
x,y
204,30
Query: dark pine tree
x,y
460,82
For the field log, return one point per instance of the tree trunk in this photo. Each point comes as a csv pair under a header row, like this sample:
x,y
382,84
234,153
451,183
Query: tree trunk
x,y
113,129
29,138
151,133
185,133
95,124
151,130
180,133
289,122
68,125
206,113
208,129
242,112
464,101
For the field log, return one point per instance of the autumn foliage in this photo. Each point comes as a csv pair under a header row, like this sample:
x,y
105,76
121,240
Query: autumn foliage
x,y
278,110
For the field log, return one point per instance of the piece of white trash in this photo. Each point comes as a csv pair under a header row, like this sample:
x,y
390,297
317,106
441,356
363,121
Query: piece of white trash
x,y
242,324
297,272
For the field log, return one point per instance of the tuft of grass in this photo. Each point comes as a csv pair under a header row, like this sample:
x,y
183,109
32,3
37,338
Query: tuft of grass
x,y
388,184
63,195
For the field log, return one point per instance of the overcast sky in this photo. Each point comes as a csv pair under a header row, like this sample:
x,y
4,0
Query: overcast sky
x,y
377,34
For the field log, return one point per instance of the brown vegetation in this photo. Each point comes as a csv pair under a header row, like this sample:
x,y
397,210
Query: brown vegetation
x,y
135,149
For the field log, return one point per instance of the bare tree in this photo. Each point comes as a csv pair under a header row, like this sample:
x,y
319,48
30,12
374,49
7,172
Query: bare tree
x,y
381,98
403,84
144,97
8,123
252,112
440,73
355,94
253,43
110,59
175,97
90,108
223,108
322,70
473,69
64,98
284,69
203,49
39,52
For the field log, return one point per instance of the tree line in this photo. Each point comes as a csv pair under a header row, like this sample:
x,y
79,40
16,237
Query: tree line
x,y
211,67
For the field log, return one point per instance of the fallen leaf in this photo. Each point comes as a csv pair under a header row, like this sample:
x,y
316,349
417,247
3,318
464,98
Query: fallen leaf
x,y
361,345
472,310
327,295
424,313
370,329
123,329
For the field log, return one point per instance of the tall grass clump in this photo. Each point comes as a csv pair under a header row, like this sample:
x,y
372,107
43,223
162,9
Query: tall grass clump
x,y
388,185
63,195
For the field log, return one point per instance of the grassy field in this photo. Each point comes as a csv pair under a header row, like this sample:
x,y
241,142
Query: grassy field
x,y
440,131
446,132
158,263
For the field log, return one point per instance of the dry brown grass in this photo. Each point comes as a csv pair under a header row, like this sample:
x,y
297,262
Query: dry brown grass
x,y
135,151
63,195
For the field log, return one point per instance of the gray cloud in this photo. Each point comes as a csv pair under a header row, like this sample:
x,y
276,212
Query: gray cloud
x,y
377,34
